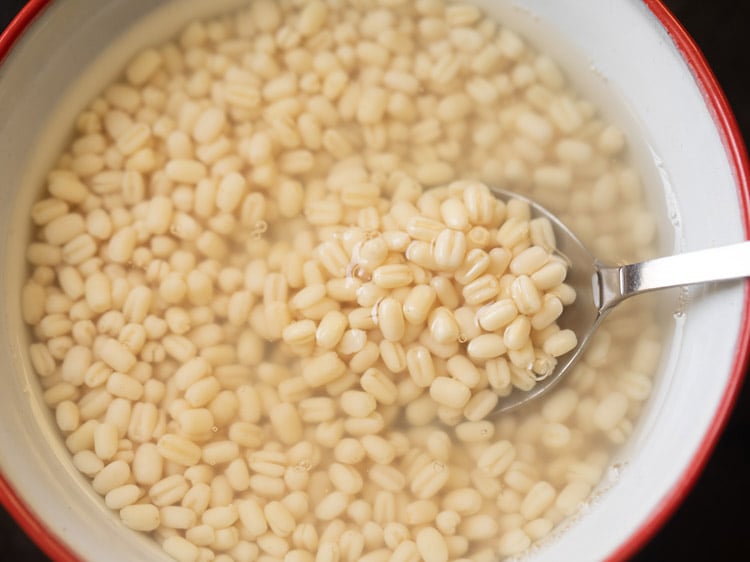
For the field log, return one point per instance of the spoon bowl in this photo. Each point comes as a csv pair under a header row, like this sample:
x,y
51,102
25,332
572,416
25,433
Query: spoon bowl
x,y
599,288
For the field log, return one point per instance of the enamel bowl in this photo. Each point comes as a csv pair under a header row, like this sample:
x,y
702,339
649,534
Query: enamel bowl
x,y
60,53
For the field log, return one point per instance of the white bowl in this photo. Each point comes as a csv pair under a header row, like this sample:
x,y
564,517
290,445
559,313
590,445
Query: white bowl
x,y
636,49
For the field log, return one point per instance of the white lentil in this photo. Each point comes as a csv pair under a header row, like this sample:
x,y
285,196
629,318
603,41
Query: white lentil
x,y
486,346
180,549
87,462
449,249
123,496
141,517
560,343
331,506
178,449
323,369
113,475
286,423
513,542
185,171
105,441
349,451
449,392
476,527
392,276
345,478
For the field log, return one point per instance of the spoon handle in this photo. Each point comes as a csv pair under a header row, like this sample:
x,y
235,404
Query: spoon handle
x,y
714,264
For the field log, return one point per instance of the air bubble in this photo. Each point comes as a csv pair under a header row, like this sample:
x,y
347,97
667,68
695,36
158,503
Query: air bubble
x,y
260,228
358,272
303,466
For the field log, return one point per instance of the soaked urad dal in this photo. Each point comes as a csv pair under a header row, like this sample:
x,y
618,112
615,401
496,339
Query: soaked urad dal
x,y
274,302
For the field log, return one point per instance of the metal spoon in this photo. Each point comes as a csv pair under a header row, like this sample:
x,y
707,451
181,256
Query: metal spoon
x,y
600,288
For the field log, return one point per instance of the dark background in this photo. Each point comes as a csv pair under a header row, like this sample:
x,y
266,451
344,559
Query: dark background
x,y
712,524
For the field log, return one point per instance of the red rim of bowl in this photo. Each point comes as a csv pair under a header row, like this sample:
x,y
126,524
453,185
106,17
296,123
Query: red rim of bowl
x,y
727,126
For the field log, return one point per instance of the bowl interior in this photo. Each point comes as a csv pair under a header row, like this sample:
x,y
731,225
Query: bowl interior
x,y
662,108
